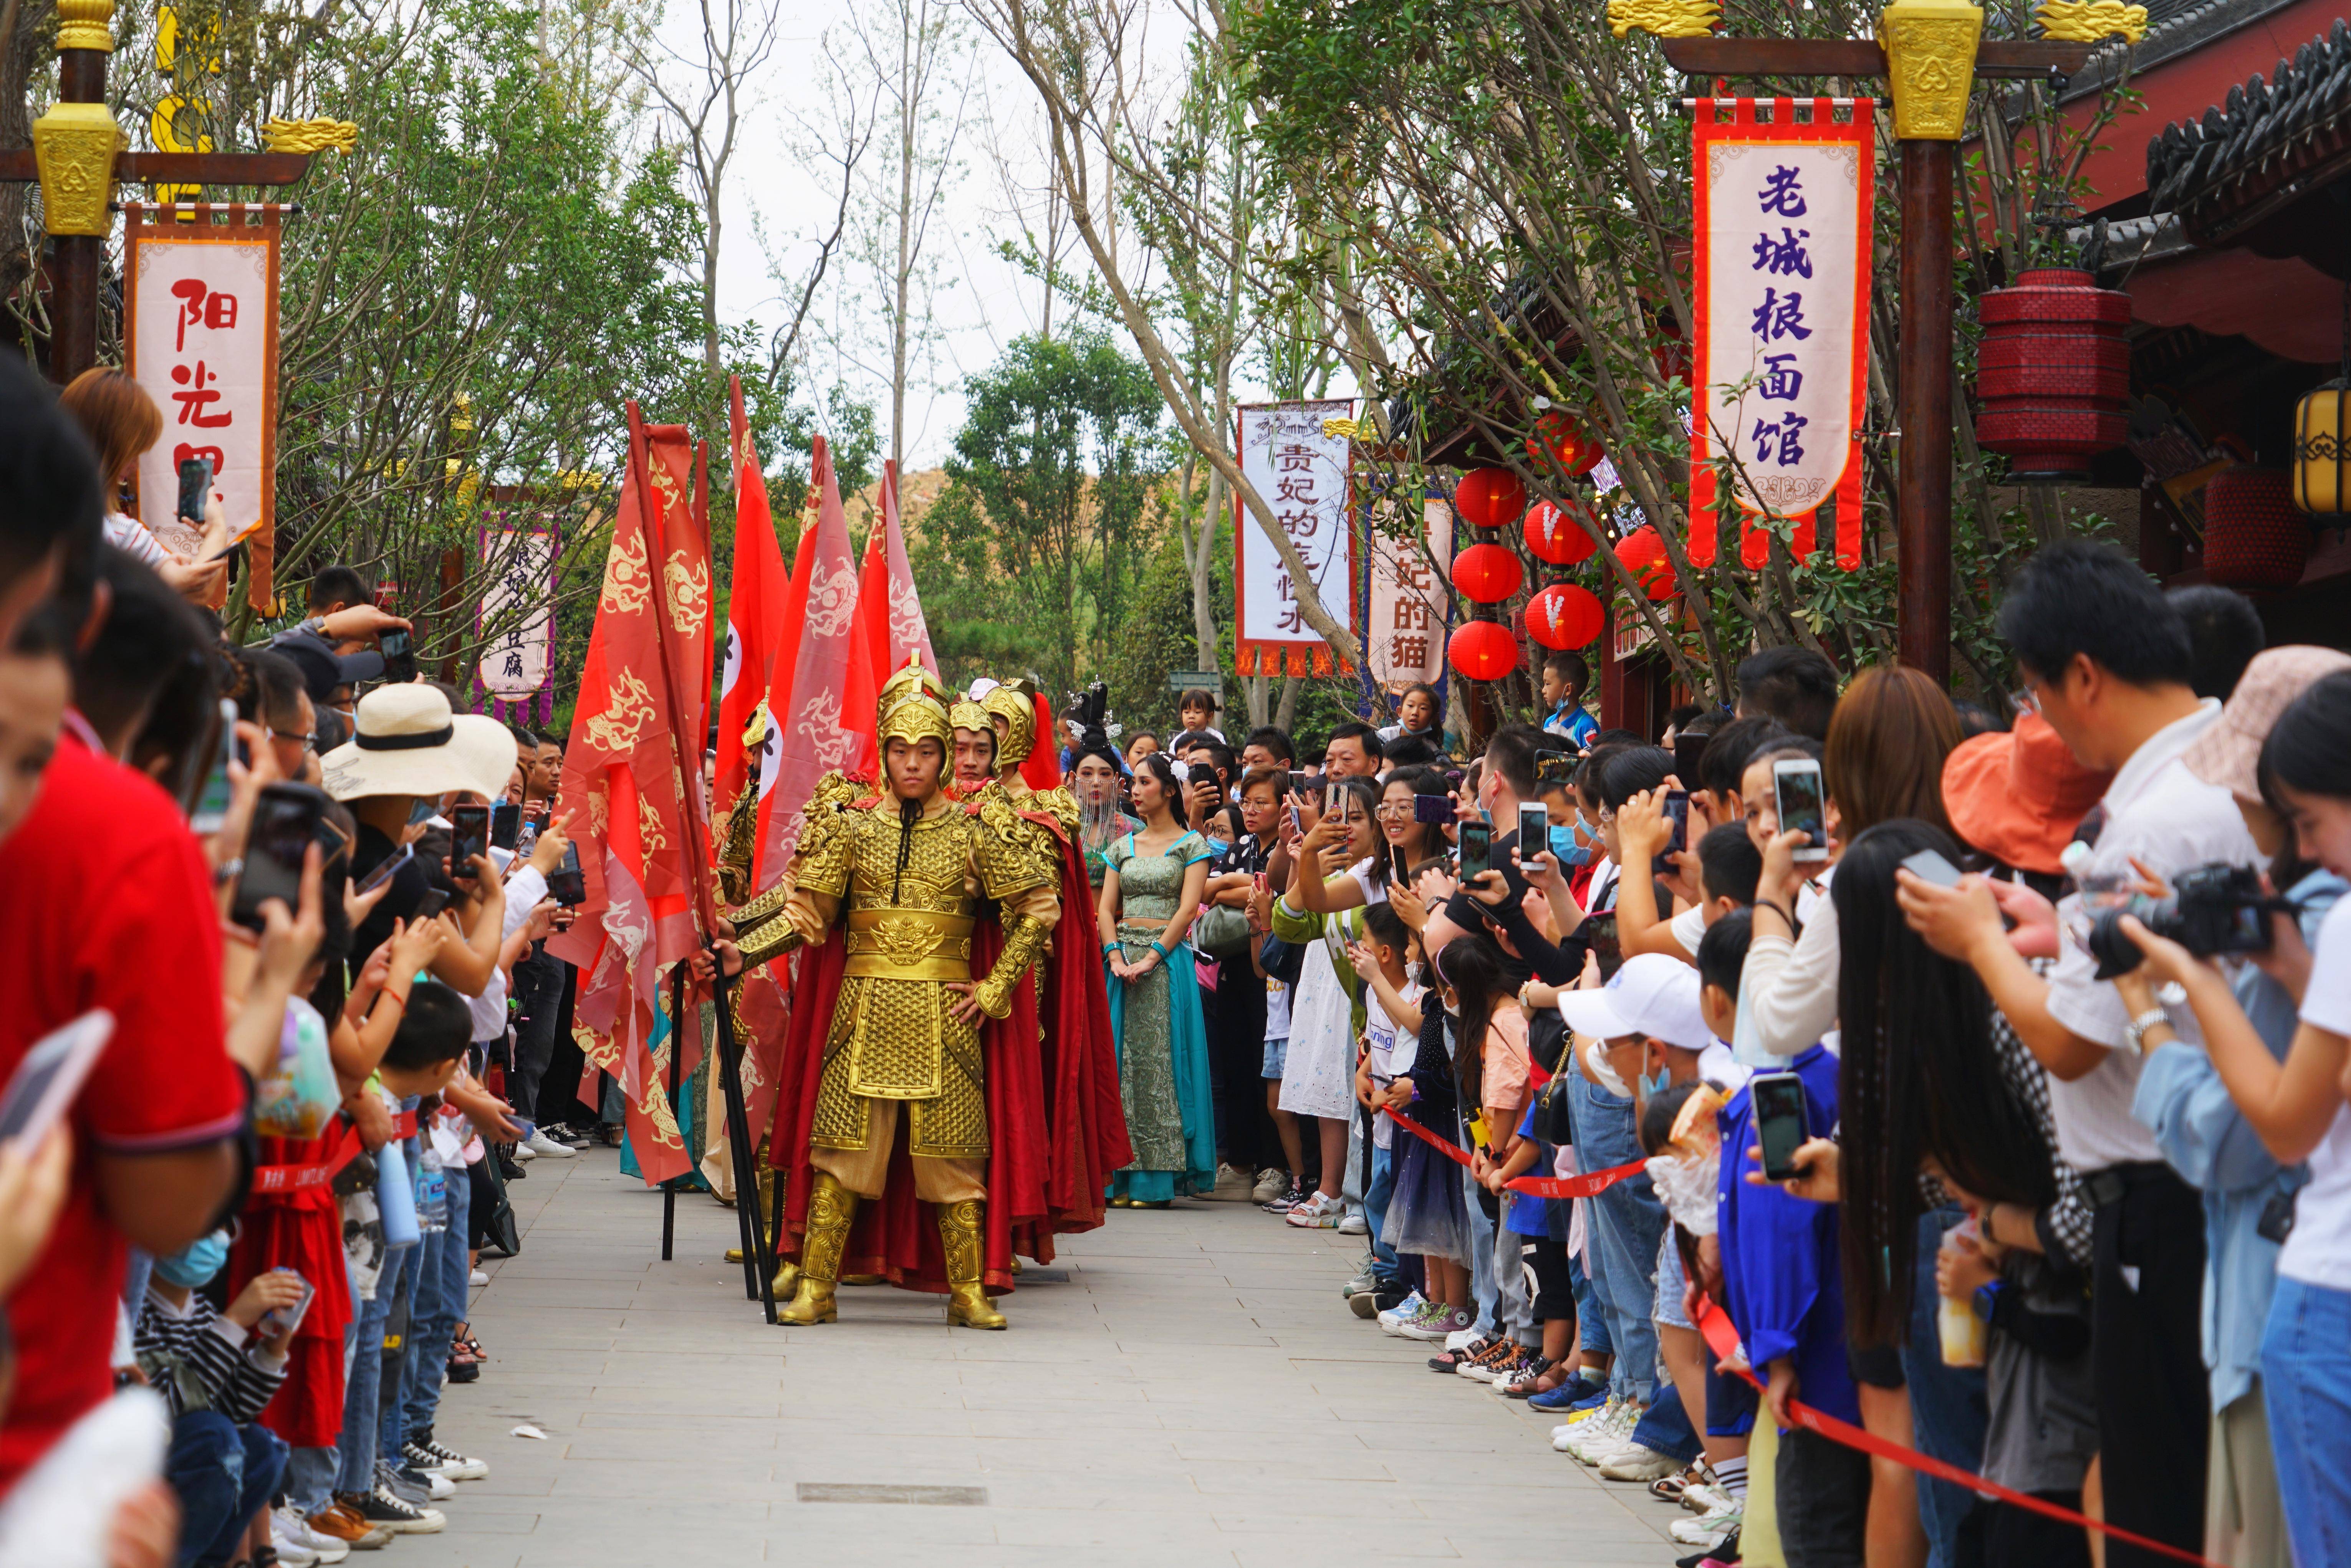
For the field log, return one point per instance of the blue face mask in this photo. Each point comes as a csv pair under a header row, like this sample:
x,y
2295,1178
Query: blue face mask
x,y
1653,1086
193,1267
1565,844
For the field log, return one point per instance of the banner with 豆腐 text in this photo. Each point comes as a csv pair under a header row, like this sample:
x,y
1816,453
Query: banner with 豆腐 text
x,y
518,626
1782,216
200,336
1302,474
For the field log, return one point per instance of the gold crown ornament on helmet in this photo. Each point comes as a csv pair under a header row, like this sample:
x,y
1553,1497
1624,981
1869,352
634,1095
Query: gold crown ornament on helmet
x,y
1015,702
913,707
965,713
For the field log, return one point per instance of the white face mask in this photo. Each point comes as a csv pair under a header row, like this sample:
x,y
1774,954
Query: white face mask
x,y
1604,1074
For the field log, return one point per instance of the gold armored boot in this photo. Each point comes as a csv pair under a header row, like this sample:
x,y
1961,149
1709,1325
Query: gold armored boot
x,y
832,1206
959,1238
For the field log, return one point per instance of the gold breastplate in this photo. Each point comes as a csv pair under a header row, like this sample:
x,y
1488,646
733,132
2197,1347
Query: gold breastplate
x,y
933,879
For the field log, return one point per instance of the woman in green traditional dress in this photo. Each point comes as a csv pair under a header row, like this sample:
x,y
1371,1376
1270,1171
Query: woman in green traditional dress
x,y
1151,887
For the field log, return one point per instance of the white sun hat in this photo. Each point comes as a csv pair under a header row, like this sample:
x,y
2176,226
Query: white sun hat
x,y
409,743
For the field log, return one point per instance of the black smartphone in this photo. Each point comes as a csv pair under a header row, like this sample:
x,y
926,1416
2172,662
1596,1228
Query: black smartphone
x,y
506,823
285,824
1476,850
399,659
1676,810
1436,808
469,835
1534,834
1690,751
1780,1121
1599,930
1801,802
195,487
388,870
569,883
1928,865
435,901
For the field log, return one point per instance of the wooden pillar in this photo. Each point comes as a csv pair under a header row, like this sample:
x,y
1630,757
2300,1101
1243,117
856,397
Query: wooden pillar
x,y
1922,522
76,258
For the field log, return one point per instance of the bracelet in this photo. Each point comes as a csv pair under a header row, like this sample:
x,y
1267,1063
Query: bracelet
x,y
228,870
1109,948
1158,949
2135,1031
399,1002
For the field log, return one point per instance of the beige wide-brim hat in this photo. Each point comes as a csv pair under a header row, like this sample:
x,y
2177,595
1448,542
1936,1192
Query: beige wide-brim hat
x,y
2229,752
409,743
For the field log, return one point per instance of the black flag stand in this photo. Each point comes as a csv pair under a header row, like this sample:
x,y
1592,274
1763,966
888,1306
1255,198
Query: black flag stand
x,y
759,1259
676,1055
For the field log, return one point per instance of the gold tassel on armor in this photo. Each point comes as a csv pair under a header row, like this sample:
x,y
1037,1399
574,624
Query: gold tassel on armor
x,y
832,1208
959,1238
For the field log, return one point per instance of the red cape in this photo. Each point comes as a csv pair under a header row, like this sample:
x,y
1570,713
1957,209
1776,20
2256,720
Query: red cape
x,y
894,1236
302,1230
1084,1107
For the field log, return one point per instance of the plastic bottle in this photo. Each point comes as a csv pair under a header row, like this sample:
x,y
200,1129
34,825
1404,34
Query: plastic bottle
x,y
1966,1337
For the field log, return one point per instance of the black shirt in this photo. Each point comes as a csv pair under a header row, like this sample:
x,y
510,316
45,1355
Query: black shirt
x,y
409,885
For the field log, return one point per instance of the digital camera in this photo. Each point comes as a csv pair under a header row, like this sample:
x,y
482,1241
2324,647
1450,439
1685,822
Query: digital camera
x,y
2213,909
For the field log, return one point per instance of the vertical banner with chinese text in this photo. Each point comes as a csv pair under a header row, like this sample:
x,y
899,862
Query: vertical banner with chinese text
x,y
200,335
1302,474
1405,638
517,626
1782,211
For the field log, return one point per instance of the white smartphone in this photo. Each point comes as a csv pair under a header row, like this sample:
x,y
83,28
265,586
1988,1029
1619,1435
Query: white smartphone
x,y
49,1077
1802,804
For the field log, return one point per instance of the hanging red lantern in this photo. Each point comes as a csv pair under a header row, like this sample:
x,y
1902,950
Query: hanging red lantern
x,y
1490,498
2053,374
2253,535
1557,537
1564,616
1487,573
1483,651
1644,555
1559,438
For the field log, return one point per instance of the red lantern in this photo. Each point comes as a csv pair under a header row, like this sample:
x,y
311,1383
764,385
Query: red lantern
x,y
2053,374
1487,573
1556,537
1564,616
1560,439
1644,555
2253,536
1483,651
1490,498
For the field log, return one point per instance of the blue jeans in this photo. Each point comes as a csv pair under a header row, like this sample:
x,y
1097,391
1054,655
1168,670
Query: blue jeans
x,y
1626,1223
1948,1412
1481,1256
223,1474
310,1480
1591,1323
1664,1426
444,1269
398,1365
1376,1210
2306,1375
355,1447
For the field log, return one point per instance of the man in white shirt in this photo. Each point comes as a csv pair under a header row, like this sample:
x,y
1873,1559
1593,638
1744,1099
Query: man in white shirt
x,y
2105,659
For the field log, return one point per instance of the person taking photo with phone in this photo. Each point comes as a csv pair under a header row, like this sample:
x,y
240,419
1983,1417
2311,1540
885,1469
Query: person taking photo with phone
x,y
122,422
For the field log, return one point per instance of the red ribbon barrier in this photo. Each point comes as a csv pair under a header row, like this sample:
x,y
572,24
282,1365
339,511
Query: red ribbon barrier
x,y
301,1179
1587,1185
1722,1338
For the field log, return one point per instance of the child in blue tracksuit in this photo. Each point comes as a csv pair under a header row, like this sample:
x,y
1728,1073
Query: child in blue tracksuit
x,y
1784,1293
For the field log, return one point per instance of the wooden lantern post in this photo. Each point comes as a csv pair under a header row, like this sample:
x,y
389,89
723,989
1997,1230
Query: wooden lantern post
x,y
1931,52
77,156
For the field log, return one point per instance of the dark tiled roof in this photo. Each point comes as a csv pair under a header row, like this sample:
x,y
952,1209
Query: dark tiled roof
x,y
2174,27
2269,139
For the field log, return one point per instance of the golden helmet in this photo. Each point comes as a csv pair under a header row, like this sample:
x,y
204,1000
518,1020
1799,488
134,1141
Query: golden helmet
x,y
965,713
1015,702
912,707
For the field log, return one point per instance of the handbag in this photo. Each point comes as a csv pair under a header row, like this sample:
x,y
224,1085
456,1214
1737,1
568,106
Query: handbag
x,y
1552,1123
1280,960
499,1226
1221,933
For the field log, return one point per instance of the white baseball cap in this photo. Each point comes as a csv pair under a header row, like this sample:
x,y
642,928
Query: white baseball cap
x,y
1652,995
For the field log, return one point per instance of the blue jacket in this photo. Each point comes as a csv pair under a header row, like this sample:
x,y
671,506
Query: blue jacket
x,y
2207,1140
1780,1254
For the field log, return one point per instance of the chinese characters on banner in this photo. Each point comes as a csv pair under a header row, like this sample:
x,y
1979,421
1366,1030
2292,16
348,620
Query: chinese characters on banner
x,y
1782,215
1405,638
200,335
517,656
1302,474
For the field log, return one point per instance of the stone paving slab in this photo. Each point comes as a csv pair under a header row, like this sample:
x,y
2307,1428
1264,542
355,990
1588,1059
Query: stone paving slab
x,y
1193,1393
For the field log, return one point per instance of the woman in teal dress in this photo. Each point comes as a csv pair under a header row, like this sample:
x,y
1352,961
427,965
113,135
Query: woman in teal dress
x,y
1151,887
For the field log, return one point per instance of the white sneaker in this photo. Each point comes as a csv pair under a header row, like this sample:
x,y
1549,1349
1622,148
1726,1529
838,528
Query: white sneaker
x,y
1270,1184
1591,1440
296,1546
538,1142
1408,1308
1355,1224
477,1279
1638,1462
1462,1339
1711,1528
1703,1496
1593,1420
1323,1211
524,1154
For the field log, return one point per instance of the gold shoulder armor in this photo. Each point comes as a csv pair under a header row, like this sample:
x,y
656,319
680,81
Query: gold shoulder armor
x,y
828,834
1011,856
1059,804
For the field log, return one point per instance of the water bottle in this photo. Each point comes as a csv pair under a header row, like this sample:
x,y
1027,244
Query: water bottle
x,y
432,1189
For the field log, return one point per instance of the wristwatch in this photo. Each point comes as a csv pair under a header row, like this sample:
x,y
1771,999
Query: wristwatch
x,y
2137,1031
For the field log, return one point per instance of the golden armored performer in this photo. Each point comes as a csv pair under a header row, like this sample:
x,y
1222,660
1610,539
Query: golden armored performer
x,y
889,1027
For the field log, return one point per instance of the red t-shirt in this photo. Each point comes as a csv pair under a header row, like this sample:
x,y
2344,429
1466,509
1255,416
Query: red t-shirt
x,y
105,902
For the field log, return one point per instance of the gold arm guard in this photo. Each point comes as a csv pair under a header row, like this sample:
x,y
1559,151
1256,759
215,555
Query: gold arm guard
x,y
774,936
1025,938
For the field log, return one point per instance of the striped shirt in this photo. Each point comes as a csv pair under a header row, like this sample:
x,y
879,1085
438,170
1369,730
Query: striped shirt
x,y
199,1360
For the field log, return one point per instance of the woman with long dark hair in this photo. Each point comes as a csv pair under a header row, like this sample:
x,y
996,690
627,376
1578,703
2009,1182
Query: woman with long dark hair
x,y
1152,884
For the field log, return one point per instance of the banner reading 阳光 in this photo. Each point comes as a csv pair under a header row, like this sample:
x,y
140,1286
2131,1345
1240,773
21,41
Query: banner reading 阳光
x,y
1782,211
1303,473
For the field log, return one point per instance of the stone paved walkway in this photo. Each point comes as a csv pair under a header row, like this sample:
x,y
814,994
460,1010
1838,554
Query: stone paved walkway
x,y
1191,1393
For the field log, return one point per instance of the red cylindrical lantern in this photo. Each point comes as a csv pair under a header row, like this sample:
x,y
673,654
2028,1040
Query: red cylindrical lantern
x,y
1487,573
1555,536
1559,438
1482,650
1644,555
2253,535
2053,374
1490,498
1564,616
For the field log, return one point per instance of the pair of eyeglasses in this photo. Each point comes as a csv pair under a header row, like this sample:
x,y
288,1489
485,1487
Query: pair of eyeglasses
x,y
1393,808
308,737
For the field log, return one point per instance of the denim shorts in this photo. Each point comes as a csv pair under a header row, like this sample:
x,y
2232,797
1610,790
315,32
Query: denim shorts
x,y
1670,1278
1277,1055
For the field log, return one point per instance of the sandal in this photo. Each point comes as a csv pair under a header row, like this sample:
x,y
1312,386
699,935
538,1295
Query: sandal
x,y
1669,1489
